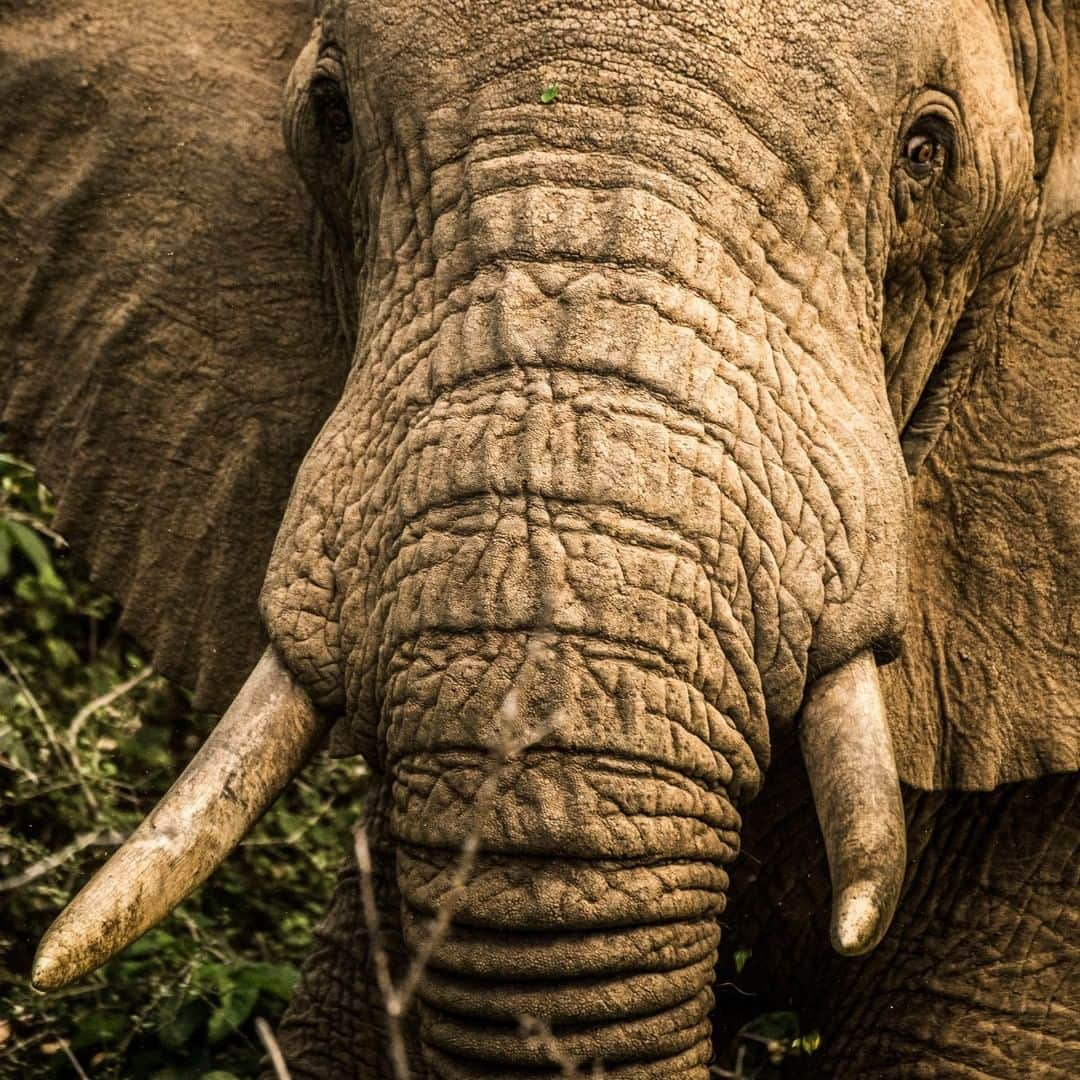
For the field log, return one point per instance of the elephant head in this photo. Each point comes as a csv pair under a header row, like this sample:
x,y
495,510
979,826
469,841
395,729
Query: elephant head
x,y
659,408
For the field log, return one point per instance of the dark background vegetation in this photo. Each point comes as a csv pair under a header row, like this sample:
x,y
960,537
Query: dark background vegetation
x,y
79,768
90,738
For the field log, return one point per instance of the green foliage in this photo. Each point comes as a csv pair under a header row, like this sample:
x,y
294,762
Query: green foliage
x,y
768,1045
89,739
741,956
550,93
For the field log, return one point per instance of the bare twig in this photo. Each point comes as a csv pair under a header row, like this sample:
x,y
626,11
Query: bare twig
x,y
277,1058
103,702
39,712
537,1033
71,1057
398,1057
35,523
397,1000
58,858
27,693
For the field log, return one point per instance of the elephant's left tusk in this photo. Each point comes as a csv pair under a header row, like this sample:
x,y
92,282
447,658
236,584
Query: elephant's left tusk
x,y
849,758
268,733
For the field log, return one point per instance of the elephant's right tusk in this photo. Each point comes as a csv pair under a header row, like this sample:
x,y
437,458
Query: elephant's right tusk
x,y
849,758
266,736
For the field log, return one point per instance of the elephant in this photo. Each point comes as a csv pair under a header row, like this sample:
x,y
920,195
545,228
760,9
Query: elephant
x,y
594,415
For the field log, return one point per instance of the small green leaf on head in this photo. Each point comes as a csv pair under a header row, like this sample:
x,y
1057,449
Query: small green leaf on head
x,y
741,956
550,93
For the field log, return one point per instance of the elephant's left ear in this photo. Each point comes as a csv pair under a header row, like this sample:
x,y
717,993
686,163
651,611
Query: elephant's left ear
x,y
167,356
988,689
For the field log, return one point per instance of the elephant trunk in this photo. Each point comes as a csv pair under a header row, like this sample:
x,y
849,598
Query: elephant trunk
x,y
592,904
589,419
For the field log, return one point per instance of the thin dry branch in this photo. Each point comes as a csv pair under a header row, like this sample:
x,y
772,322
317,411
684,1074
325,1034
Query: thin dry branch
x,y
72,1058
537,1033
509,745
103,702
399,1060
58,858
277,1058
60,749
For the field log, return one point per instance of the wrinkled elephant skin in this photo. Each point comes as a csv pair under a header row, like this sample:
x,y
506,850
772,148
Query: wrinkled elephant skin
x,y
686,345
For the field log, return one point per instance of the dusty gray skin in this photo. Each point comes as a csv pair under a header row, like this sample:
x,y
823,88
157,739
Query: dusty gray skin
x,y
647,369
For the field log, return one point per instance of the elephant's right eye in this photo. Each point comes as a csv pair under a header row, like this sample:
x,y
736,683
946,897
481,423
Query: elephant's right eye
x,y
331,110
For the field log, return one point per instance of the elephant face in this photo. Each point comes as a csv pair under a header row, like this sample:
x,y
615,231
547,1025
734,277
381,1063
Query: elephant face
x,y
702,291
620,473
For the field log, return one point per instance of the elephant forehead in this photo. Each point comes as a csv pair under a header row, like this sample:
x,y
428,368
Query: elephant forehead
x,y
809,65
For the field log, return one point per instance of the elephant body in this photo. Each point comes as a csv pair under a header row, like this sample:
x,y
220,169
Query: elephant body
x,y
976,975
677,366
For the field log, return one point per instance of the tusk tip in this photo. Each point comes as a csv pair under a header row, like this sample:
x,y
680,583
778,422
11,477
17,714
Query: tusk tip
x,y
860,919
49,972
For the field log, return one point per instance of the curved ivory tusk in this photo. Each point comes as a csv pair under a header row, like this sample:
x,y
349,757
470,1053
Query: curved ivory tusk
x,y
849,757
268,733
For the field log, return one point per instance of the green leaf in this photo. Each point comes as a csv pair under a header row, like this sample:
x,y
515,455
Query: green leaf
x,y
176,1033
33,547
741,956
100,1028
810,1042
149,944
5,549
235,1008
275,979
63,655
783,1026
550,93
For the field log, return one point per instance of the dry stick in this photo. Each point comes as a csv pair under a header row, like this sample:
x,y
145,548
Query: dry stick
x,y
20,682
63,1044
398,1057
58,858
72,1058
61,750
85,713
277,1058
397,1001
39,712
103,702
537,1032
501,755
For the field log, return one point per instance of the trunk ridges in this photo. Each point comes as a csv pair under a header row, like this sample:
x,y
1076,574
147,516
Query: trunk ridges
x,y
655,382
624,978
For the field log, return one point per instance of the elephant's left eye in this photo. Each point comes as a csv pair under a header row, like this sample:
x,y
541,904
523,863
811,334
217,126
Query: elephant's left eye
x,y
924,152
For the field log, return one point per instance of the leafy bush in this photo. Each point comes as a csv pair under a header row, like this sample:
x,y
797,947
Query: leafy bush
x,y
89,740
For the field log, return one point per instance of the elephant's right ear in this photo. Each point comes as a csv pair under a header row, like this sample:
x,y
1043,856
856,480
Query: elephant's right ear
x,y
168,350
